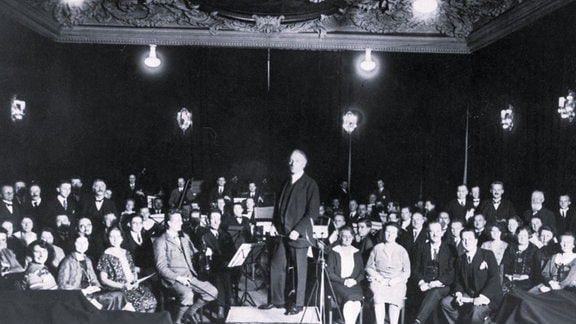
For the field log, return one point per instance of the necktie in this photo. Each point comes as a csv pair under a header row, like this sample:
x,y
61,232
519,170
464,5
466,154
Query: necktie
x,y
415,235
34,204
139,239
434,254
65,204
220,190
461,203
469,259
216,234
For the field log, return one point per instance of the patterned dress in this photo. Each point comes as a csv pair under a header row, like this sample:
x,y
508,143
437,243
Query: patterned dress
x,y
141,297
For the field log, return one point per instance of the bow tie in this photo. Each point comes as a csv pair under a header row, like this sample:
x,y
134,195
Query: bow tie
x,y
8,204
99,201
496,202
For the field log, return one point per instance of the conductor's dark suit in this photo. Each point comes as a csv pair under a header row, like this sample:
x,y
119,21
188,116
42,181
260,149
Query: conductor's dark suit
x,y
296,209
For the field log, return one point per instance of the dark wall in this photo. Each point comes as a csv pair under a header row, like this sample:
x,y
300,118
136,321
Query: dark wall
x,y
94,111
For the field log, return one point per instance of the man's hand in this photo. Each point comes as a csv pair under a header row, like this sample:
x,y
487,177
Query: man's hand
x,y
436,284
481,300
294,235
350,282
208,252
184,281
273,231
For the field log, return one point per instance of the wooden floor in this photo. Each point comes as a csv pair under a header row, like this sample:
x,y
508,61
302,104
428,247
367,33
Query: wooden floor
x,y
244,314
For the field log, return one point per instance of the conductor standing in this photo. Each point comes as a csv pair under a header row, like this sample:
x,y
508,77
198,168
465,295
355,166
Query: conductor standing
x,y
296,209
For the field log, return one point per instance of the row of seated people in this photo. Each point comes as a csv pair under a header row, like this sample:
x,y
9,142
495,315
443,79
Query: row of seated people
x,y
114,251
425,265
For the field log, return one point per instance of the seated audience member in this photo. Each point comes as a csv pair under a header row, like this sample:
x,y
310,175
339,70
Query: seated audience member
x,y
535,225
496,245
345,270
537,209
8,264
139,244
415,235
512,225
149,225
454,241
173,254
549,246
480,229
36,207
520,262
9,207
26,233
37,275
388,270
430,212
477,291
97,206
363,240
405,218
444,220
77,273
158,207
63,204
125,215
117,271
560,271
62,233
101,238
338,223
14,243
47,236
220,250
433,272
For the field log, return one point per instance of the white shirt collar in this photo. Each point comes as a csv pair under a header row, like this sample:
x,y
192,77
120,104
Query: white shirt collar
x,y
297,176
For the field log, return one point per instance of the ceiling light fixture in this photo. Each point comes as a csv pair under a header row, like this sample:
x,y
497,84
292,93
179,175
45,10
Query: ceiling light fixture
x,y
425,6
368,64
152,60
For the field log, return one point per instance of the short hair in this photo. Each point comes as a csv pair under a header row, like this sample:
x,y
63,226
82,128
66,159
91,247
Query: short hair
x,y
168,215
499,226
365,221
467,229
345,229
3,230
458,220
301,153
64,181
44,246
570,234
517,219
546,228
214,211
433,223
497,182
523,228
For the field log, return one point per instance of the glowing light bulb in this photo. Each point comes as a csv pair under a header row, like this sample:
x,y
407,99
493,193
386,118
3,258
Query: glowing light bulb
x,y
425,6
368,64
152,60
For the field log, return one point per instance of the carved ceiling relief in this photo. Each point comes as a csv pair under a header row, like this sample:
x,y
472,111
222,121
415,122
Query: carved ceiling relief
x,y
455,18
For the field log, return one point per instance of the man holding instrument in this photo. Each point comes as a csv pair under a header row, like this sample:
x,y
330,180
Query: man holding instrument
x,y
296,209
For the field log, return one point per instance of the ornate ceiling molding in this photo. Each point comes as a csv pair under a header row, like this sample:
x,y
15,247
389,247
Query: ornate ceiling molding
x,y
459,26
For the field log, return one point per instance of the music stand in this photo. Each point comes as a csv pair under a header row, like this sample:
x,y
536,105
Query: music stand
x,y
248,253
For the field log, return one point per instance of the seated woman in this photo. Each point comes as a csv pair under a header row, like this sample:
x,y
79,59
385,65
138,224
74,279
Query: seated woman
x,y
560,271
10,269
37,276
345,270
496,245
512,224
117,271
520,263
388,270
27,234
47,235
76,273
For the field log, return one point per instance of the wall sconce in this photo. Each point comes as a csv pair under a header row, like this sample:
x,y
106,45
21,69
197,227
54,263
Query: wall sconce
x,y
152,60
184,119
566,106
17,109
507,116
425,7
349,122
368,65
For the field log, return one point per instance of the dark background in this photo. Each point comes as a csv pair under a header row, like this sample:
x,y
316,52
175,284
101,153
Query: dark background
x,y
95,111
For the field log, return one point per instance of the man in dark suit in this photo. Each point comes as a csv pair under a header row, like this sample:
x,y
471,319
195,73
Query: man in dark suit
x,y
453,240
296,210
221,191
139,243
537,209
255,194
565,216
173,253
342,193
63,204
237,225
415,234
9,208
176,195
433,272
220,249
497,208
480,229
131,190
458,207
36,207
382,194
97,206
430,211
477,290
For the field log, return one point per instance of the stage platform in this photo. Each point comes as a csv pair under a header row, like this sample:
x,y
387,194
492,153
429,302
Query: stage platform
x,y
254,315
